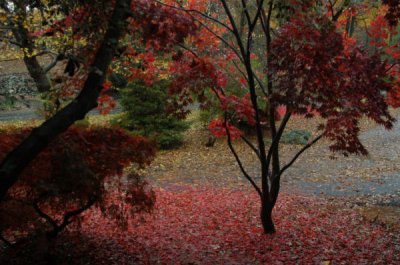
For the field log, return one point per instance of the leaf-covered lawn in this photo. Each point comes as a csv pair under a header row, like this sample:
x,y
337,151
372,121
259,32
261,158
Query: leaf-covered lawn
x,y
219,226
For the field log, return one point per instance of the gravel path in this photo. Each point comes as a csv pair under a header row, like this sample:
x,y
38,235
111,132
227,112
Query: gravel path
x,y
373,179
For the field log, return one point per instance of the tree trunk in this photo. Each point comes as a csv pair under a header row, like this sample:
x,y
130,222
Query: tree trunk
x,y
31,61
37,73
266,217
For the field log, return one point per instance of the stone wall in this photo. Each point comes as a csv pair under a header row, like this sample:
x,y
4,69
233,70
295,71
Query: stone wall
x,y
16,85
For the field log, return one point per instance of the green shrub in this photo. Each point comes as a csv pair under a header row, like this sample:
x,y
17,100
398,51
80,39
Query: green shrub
x,y
118,80
7,102
146,114
296,137
208,115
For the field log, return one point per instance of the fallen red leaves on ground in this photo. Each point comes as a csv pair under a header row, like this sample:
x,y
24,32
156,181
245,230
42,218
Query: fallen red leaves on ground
x,y
220,226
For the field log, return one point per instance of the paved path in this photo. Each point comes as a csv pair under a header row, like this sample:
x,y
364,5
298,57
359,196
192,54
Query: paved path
x,y
373,179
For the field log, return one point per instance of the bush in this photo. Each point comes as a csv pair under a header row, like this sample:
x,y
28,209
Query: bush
x,y
207,115
296,137
146,114
118,80
7,102
80,169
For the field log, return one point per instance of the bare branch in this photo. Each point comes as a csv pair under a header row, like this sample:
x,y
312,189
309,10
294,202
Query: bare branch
x,y
300,152
188,49
69,215
240,70
220,38
246,12
42,214
235,30
251,145
233,151
246,175
197,12
261,84
53,63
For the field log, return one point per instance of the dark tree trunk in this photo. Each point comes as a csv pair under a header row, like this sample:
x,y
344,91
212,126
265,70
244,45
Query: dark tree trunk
x,y
17,160
37,73
266,217
31,62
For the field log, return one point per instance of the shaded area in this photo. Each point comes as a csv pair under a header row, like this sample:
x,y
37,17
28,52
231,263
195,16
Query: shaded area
x,y
208,225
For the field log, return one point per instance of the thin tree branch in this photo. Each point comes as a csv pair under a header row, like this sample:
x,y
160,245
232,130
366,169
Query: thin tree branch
x,y
42,214
197,12
51,65
219,37
189,50
261,84
235,30
240,70
233,151
251,145
239,162
246,12
300,152
69,215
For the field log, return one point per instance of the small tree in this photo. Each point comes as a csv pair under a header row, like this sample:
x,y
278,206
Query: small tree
x,y
146,113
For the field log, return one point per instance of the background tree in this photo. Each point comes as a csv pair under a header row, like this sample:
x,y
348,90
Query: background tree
x,y
17,17
146,113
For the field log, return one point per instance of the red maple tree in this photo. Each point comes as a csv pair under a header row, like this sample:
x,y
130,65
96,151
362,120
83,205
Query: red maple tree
x,y
308,63
79,169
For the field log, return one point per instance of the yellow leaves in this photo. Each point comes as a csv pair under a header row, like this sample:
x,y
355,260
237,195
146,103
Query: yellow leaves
x,y
10,53
370,13
3,18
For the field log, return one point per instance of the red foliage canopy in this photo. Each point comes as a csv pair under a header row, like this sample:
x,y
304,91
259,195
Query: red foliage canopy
x,y
393,13
162,27
78,167
311,68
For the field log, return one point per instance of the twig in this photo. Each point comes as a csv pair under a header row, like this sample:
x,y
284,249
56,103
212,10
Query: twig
x,y
246,175
300,152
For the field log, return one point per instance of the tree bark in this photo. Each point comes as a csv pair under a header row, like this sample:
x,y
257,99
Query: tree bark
x,y
266,217
17,160
35,70
37,73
